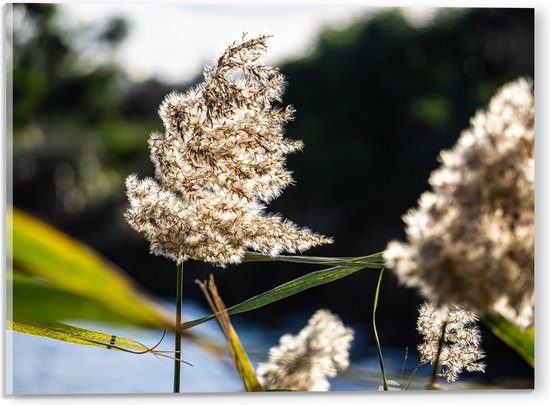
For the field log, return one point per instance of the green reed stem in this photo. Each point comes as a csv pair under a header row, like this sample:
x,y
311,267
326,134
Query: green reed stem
x,y
179,297
411,377
385,381
441,343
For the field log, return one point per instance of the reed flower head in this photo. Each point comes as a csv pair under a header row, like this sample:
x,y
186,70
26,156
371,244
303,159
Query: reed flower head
x,y
220,159
471,239
303,362
460,350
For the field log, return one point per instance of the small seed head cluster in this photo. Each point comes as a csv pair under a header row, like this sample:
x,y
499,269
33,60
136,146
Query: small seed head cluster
x,y
471,239
303,362
221,158
461,346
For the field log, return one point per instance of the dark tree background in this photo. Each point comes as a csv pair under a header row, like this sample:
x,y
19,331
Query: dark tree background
x,y
376,102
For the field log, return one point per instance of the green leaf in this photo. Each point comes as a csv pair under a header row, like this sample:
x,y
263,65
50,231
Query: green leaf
x,y
278,293
242,362
81,336
238,353
373,261
37,300
72,334
68,273
521,340
57,303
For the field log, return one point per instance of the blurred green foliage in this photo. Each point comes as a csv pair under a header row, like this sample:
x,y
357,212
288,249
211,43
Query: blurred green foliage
x,y
71,281
72,143
49,80
378,100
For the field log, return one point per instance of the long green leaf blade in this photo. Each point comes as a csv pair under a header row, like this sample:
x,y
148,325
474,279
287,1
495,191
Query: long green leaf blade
x,y
374,260
37,300
72,334
242,362
238,353
521,340
44,252
57,303
288,289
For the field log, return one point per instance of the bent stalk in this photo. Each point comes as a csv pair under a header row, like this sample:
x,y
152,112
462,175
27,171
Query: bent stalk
x,y
384,380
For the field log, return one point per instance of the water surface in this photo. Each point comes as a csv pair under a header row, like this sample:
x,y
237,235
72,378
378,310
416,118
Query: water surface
x,y
46,366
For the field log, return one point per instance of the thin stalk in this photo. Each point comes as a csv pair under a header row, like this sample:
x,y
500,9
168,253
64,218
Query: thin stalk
x,y
385,381
412,376
404,364
179,297
441,343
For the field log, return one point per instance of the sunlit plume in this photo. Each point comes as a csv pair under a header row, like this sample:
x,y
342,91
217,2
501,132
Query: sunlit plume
x,y
471,239
303,362
219,161
461,342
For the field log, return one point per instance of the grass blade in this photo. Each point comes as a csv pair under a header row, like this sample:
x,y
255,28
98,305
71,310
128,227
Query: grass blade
x,y
240,358
376,339
72,334
278,293
74,270
521,340
36,300
81,336
374,260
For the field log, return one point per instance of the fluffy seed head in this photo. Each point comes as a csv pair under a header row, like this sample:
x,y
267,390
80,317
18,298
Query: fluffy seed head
x,y
303,362
471,239
460,350
220,159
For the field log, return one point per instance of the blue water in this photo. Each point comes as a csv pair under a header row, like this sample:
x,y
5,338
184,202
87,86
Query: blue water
x,y
46,366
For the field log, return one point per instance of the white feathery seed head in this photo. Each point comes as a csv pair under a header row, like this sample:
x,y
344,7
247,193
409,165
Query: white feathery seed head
x,y
461,346
303,362
471,239
220,159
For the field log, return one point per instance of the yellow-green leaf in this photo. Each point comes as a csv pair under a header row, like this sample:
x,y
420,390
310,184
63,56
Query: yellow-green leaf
x,y
521,340
72,334
242,362
238,353
74,270
37,300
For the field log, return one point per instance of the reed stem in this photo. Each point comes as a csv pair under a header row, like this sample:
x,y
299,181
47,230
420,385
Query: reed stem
x,y
384,380
179,297
441,343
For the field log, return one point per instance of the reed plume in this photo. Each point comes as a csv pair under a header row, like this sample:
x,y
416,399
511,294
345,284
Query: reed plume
x,y
471,239
219,161
303,362
461,341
